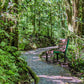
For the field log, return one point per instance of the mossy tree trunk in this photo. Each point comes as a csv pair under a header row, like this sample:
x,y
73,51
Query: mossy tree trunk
x,y
75,15
72,15
82,25
69,14
15,40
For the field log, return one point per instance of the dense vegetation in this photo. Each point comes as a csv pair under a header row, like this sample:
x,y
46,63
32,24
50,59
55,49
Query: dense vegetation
x,y
30,24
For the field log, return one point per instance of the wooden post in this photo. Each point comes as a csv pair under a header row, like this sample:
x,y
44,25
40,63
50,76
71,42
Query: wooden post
x,y
46,56
57,56
53,57
64,57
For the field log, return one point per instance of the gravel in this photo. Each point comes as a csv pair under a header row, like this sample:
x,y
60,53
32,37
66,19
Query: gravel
x,y
48,73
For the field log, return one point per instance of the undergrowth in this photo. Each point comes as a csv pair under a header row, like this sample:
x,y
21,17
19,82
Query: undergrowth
x,y
75,55
35,41
13,69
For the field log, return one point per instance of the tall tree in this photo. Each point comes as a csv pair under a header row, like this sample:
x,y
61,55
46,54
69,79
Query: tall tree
x,y
75,15
34,30
72,12
51,19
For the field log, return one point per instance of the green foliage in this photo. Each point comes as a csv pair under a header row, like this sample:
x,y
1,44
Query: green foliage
x,y
45,18
41,19
35,41
41,23
13,69
75,53
9,72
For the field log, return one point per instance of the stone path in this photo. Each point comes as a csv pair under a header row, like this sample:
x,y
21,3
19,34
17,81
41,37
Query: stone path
x,y
48,73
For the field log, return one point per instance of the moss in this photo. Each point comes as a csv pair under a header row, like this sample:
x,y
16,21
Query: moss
x,y
34,76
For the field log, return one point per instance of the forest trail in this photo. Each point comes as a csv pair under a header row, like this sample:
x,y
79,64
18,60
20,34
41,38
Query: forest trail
x,y
48,73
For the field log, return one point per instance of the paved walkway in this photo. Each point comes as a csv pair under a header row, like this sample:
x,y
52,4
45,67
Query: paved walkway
x,y
48,73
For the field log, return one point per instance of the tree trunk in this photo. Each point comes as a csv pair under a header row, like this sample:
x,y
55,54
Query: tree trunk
x,y
51,20
39,21
34,30
82,29
72,14
15,41
75,15
69,15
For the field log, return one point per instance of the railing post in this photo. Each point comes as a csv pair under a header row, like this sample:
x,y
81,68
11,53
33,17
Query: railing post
x,y
46,56
64,57
57,56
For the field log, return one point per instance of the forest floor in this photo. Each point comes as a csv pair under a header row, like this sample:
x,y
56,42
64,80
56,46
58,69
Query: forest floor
x,y
48,73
